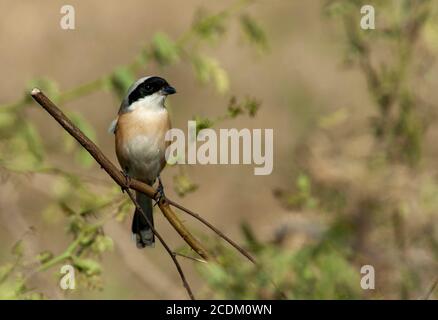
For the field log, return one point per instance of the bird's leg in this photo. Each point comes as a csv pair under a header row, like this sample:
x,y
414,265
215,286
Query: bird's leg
x,y
127,182
161,187
160,191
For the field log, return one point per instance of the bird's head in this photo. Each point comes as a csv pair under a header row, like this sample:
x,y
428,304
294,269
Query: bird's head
x,y
149,92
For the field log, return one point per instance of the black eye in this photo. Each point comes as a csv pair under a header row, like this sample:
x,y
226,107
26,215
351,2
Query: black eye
x,y
148,88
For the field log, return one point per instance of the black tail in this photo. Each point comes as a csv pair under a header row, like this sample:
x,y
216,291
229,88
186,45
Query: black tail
x,y
140,228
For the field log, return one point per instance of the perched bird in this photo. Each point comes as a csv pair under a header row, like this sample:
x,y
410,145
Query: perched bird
x,y
140,129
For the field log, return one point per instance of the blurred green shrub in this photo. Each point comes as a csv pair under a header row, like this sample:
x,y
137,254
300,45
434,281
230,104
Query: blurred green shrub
x,y
87,204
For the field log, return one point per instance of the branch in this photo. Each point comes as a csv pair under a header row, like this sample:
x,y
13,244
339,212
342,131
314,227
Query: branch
x,y
188,257
169,251
120,179
127,184
115,173
431,290
181,229
217,231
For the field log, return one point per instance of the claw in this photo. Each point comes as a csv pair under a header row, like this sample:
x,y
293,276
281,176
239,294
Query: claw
x,y
127,182
160,192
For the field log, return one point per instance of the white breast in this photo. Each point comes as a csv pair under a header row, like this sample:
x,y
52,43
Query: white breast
x,y
145,150
145,157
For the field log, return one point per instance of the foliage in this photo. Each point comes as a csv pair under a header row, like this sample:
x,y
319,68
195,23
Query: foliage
x,y
87,204
401,121
13,281
316,271
365,211
377,207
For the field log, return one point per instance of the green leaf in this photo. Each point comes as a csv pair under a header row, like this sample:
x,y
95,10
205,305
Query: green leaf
x,y
44,256
183,184
208,69
303,183
209,27
253,32
102,243
164,50
88,266
251,105
202,123
234,109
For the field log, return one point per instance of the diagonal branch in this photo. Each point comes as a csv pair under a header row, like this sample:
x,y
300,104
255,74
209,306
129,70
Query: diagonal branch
x,y
115,173
169,251
120,179
212,227
127,184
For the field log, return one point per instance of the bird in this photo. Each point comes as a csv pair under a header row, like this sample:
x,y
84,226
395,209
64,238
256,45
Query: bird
x,y
140,144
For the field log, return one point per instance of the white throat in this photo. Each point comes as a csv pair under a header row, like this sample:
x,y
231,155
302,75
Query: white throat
x,y
153,102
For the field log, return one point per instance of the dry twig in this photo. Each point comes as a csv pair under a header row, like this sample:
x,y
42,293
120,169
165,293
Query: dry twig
x,y
127,184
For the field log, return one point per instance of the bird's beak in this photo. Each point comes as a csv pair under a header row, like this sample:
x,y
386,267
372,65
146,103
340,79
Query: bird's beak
x,y
168,90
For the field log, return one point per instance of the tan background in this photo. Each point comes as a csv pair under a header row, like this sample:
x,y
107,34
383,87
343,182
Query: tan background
x,y
301,79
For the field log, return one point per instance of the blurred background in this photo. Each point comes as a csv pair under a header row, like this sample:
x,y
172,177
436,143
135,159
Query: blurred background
x,y
353,112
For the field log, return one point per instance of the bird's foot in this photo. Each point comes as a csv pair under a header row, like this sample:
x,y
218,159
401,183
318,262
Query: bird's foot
x,y
160,192
127,182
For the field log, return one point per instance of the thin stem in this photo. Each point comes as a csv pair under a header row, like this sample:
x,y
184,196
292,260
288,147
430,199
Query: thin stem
x,y
431,290
120,179
83,89
169,251
188,257
63,256
216,230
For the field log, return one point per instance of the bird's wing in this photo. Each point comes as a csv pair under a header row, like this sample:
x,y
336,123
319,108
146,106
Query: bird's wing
x,y
113,126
